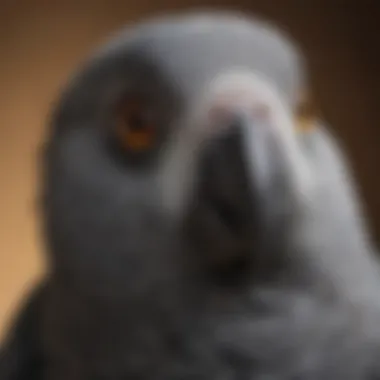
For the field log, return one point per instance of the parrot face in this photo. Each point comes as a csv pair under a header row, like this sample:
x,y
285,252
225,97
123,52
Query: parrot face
x,y
162,142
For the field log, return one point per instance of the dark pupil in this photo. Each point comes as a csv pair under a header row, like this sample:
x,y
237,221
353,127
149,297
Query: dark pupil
x,y
136,121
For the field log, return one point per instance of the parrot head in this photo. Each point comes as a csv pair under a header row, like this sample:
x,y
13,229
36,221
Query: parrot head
x,y
174,158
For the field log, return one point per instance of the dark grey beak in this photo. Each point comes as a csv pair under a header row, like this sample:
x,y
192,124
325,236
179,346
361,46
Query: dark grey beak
x,y
227,219
224,181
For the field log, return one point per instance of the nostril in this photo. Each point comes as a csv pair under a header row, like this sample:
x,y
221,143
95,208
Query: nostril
x,y
261,111
219,115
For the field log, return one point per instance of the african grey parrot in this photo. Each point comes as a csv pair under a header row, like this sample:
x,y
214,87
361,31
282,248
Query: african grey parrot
x,y
193,232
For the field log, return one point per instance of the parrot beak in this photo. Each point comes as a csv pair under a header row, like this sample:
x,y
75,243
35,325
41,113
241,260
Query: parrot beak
x,y
224,180
234,175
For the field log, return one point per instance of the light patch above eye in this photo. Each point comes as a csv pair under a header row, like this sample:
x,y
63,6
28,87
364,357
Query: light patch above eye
x,y
135,127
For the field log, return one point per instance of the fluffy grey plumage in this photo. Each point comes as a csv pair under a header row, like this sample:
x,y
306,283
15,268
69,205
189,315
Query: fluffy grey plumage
x,y
233,249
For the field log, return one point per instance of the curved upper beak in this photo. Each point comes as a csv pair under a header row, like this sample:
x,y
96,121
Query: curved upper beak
x,y
235,175
237,169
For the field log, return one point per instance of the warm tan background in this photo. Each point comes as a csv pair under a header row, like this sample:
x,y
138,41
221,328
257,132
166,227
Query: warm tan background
x,y
41,42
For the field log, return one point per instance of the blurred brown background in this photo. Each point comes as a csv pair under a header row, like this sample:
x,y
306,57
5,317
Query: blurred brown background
x,y
41,42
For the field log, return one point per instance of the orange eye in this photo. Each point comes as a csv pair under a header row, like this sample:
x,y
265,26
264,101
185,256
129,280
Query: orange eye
x,y
135,129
